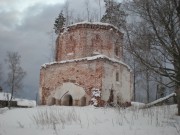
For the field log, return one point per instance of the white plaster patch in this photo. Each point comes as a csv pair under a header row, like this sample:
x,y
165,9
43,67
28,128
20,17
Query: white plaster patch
x,y
69,54
75,91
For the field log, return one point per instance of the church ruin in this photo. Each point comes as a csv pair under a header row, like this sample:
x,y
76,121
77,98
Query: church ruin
x,y
89,68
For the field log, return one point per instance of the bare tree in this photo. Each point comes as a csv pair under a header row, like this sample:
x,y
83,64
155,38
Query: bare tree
x,y
0,73
52,37
94,15
1,78
66,12
87,9
130,60
114,14
78,18
142,78
91,14
99,3
161,36
16,73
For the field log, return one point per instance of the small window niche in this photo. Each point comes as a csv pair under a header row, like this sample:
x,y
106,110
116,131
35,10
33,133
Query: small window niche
x,y
116,50
117,77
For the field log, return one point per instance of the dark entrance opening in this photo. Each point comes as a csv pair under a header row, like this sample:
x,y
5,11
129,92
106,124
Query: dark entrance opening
x,y
67,100
111,98
70,100
53,101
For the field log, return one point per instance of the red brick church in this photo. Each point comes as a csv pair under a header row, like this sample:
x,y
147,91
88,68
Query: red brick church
x,y
89,68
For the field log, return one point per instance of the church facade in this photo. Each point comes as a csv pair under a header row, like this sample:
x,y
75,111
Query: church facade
x,y
89,68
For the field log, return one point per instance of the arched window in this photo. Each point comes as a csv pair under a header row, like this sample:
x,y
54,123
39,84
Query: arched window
x,y
117,76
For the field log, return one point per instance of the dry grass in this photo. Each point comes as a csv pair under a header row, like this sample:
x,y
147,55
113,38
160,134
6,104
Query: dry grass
x,y
52,117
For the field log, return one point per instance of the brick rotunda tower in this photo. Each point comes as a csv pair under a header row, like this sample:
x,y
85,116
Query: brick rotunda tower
x,y
89,68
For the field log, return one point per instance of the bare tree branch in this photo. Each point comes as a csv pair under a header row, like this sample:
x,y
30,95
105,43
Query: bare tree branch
x,y
16,73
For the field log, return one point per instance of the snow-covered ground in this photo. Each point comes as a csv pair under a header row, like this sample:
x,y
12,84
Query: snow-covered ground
x,y
63,120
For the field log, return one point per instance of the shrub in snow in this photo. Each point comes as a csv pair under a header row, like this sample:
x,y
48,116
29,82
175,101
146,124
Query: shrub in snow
x,y
96,97
96,92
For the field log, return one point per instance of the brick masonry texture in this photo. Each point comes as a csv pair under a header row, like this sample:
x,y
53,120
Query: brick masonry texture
x,y
62,82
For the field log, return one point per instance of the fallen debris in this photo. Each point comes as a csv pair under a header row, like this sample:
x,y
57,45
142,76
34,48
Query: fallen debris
x,y
159,100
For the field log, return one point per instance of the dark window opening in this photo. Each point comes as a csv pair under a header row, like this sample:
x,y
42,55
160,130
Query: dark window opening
x,y
117,77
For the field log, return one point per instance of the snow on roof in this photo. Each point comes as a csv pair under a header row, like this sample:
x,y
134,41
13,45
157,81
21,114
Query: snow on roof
x,y
25,102
65,29
137,104
94,23
20,102
88,58
160,100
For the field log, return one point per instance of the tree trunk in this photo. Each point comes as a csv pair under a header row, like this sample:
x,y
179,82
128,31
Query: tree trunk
x,y
134,81
178,98
147,85
178,91
178,86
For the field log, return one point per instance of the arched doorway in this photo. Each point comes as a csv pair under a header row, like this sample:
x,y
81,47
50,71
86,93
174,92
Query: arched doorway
x,y
83,101
67,100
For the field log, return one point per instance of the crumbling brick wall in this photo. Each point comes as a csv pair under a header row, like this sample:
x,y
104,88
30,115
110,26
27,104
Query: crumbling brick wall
x,y
87,74
84,40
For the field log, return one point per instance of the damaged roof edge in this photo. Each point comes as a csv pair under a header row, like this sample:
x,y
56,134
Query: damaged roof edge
x,y
93,25
88,59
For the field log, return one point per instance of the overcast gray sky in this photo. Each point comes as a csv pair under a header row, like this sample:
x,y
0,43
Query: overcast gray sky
x,y
24,28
